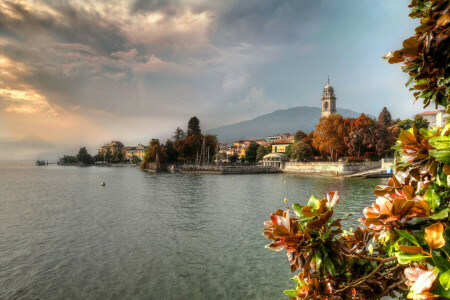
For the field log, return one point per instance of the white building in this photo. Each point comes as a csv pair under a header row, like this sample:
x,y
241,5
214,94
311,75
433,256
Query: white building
x,y
435,117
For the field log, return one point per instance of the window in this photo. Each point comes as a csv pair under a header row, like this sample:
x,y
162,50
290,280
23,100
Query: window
x,y
275,148
326,105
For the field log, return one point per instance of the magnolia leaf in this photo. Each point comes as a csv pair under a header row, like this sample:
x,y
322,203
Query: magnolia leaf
x,y
314,202
446,169
291,293
441,262
404,258
443,214
432,198
443,20
297,209
408,236
444,279
333,199
441,155
410,249
440,142
434,237
408,191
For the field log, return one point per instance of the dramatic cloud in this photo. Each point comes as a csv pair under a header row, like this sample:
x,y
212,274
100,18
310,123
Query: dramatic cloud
x,y
75,72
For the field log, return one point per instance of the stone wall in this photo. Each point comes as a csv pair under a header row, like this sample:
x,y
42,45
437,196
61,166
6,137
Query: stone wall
x,y
229,169
337,168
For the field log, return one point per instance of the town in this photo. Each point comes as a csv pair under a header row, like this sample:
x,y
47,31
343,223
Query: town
x,y
338,145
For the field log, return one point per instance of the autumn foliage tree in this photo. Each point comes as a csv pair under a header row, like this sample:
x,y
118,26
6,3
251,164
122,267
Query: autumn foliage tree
x,y
329,136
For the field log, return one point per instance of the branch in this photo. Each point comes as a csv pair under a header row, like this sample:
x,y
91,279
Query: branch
x,y
357,282
371,258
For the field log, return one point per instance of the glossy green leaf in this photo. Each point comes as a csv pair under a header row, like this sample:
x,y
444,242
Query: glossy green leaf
x,y
291,293
408,236
318,259
441,263
440,291
329,265
440,142
444,279
441,155
404,258
443,214
297,209
314,202
432,198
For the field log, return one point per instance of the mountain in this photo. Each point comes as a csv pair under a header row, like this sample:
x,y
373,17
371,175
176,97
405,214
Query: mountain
x,y
280,121
28,148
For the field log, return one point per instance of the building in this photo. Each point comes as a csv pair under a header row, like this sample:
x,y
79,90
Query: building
x,y
239,147
328,100
280,136
276,160
280,146
114,146
138,151
435,117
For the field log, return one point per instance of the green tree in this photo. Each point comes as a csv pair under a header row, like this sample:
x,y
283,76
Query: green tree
x,y
250,152
99,157
135,159
108,156
233,157
178,135
261,152
194,127
211,144
301,151
84,157
418,121
171,152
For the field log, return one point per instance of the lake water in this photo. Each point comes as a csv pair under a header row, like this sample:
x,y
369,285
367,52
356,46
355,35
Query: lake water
x,y
148,236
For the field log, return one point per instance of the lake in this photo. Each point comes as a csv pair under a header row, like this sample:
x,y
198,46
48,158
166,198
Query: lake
x,y
149,236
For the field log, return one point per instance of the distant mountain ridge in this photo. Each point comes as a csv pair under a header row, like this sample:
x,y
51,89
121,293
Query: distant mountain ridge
x,y
30,147
280,121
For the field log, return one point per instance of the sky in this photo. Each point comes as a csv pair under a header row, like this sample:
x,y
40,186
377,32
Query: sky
x,y
83,73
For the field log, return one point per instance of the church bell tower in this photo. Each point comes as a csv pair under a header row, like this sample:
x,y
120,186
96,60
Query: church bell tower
x,y
328,100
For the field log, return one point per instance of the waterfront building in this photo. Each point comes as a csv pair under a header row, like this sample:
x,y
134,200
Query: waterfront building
x,y
328,100
276,160
138,151
114,146
279,146
435,117
239,147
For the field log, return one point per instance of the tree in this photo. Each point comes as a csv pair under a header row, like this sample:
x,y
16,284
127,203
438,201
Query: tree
x,y
135,159
210,144
251,151
171,152
329,136
191,147
261,152
108,156
385,117
418,121
300,135
84,157
361,138
301,151
178,135
194,127
99,157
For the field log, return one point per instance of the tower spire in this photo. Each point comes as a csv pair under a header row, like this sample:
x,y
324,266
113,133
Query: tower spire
x,y
328,79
